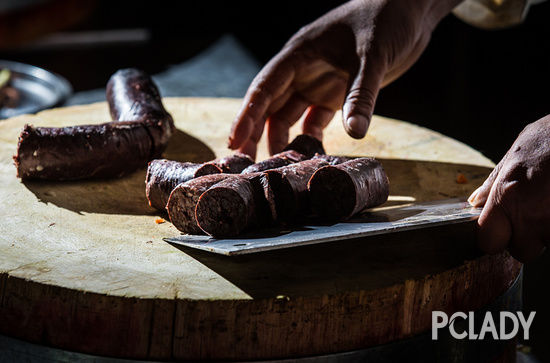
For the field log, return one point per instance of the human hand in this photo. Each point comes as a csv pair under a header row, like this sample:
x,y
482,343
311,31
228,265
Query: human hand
x,y
516,197
341,59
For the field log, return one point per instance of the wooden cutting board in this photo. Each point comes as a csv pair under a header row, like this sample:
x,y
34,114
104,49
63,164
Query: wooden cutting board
x,y
83,266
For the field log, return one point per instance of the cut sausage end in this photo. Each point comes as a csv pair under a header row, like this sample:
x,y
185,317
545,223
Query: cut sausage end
x,y
223,211
340,191
183,201
332,193
181,210
164,175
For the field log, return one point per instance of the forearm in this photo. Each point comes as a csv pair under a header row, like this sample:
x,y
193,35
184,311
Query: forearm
x,y
425,13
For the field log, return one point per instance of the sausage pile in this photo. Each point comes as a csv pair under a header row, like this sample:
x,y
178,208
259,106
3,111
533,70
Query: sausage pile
x,y
139,133
299,182
222,197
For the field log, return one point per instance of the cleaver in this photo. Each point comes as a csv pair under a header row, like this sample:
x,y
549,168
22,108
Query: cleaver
x,y
373,222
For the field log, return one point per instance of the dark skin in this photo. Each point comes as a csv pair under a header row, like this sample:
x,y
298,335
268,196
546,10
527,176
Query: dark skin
x,y
336,62
516,197
342,60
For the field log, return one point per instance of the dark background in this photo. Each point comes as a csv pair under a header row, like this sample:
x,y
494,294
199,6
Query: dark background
x,y
480,87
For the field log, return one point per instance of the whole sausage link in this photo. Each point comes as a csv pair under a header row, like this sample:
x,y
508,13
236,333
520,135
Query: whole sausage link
x,y
140,132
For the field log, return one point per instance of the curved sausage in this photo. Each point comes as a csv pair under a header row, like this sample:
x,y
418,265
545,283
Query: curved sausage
x,y
337,192
133,96
111,149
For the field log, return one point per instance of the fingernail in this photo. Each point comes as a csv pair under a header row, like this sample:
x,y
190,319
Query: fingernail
x,y
473,199
356,126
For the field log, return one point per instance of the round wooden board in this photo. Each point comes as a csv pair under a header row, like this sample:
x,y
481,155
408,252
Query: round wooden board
x,y
83,266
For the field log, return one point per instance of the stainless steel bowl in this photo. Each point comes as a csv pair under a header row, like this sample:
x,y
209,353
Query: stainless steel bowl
x,y
38,88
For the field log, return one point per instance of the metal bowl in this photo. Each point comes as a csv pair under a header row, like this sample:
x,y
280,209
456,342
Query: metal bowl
x,y
38,88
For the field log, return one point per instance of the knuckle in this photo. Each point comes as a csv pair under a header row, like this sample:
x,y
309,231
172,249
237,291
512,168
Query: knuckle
x,y
530,128
300,35
506,194
257,92
513,180
509,189
361,100
245,124
495,172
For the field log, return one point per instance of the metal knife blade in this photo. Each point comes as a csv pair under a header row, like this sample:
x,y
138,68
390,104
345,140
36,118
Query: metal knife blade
x,y
374,222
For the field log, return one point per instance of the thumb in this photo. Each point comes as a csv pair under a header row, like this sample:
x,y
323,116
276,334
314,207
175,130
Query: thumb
x,y
359,104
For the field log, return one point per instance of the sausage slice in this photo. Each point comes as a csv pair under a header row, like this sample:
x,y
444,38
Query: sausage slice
x,y
164,175
287,188
337,192
183,201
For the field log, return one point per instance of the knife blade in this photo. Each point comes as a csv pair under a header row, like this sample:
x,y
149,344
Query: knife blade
x,y
374,222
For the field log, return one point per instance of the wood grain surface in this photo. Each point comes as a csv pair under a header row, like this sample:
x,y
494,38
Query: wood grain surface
x,y
83,266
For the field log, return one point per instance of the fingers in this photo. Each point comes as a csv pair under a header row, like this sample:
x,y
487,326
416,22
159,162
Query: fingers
x,y
495,228
499,228
359,104
272,82
512,216
479,197
250,146
317,118
251,113
472,199
280,122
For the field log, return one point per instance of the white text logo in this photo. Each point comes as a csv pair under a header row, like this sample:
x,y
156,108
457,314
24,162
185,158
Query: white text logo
x,y
508,327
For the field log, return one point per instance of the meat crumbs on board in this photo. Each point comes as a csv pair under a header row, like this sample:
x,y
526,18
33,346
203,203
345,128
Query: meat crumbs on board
x,y
461,178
